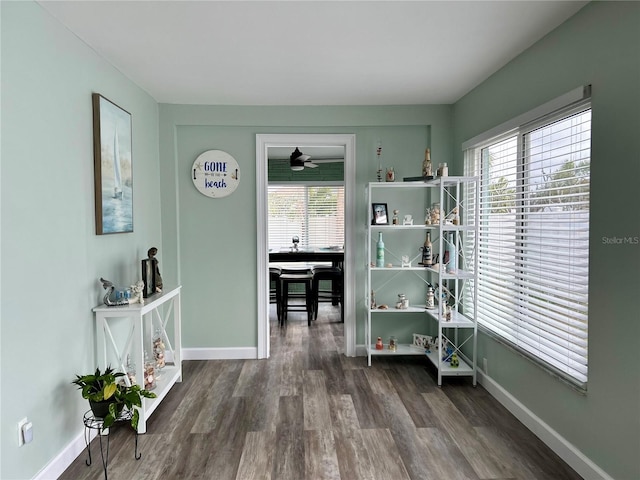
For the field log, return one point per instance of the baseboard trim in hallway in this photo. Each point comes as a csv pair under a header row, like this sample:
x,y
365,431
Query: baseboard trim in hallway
x,y
556,442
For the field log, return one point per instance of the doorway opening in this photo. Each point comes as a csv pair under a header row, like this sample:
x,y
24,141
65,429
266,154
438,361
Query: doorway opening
x,y
320,148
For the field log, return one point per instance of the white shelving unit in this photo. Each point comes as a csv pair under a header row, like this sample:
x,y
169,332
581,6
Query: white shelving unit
x,y
141,322
461,330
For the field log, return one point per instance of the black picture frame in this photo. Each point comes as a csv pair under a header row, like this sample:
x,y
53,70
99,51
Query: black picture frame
x,y
379,214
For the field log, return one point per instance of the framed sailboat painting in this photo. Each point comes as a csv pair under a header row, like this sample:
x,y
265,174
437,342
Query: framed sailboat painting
x,y
113,167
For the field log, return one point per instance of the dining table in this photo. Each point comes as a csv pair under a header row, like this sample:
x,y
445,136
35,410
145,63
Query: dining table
x,y
332,255
305,258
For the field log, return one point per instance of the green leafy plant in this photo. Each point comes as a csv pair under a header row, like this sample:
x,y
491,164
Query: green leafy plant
x,y
101,387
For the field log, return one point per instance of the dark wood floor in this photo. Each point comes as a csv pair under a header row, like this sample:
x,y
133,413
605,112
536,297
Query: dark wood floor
x,y
311,413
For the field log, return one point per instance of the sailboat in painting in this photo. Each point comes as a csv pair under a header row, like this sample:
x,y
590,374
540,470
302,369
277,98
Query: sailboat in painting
x,y
117,175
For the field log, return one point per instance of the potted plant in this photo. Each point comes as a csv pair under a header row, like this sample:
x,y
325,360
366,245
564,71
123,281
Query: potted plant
x,y
108,396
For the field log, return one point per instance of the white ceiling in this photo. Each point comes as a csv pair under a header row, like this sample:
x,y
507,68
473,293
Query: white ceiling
x,y
309,52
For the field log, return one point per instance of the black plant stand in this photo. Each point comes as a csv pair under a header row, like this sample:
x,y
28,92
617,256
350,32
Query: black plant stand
x,y
92,422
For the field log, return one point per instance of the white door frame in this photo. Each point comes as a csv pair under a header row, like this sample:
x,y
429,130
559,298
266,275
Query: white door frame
x,y
263,142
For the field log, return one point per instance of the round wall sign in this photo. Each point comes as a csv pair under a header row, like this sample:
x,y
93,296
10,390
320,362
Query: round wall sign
x,y
215,173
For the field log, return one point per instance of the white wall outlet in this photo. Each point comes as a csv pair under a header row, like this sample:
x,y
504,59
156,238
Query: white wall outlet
x,y
21,424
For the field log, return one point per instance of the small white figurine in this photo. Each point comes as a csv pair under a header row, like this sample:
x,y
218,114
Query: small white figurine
x,y
137,290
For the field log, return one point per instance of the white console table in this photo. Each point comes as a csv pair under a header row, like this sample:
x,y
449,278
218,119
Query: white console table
x,y
142,318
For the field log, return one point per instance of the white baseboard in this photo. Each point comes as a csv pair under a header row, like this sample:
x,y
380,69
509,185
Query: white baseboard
x,y
239,353
565,450
65,458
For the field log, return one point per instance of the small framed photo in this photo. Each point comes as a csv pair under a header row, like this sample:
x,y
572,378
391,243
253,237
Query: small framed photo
x,y
380,216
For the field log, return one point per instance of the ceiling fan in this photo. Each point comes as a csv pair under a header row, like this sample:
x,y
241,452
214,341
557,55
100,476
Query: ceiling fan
x,y
299,160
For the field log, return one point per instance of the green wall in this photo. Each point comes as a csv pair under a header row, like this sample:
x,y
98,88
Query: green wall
x,y
51,257
214,240
599,46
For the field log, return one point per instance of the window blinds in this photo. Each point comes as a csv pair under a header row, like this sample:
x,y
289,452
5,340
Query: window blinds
x,y
314,213
533,255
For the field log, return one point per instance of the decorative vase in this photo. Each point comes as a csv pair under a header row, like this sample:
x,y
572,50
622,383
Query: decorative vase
x,y
380,251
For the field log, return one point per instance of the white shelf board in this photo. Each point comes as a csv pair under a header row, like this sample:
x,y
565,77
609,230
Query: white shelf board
x,y
411,309
403,349
458,320
463,369
396,268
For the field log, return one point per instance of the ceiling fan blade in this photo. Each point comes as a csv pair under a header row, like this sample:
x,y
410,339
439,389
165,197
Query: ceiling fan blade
x,y
310,164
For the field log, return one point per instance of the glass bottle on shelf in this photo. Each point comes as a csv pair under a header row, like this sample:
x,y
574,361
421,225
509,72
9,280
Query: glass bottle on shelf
x,y
391,175
380,251
427,251
158,349
431,304
149,373
131,371
450,253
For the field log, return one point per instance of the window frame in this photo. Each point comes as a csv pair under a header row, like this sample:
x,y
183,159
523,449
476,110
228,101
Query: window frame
x,y
473,165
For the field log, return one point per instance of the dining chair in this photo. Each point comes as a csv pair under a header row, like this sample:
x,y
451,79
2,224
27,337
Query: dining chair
x,y
334,294
275,290
302,277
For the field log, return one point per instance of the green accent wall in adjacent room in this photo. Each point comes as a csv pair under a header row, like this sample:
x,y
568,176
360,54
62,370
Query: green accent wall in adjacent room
x,y
280,171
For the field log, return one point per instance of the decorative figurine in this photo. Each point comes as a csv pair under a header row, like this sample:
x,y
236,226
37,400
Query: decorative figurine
x,y
379,155
151,274
152,256
391,175
395,217
455,363
379,345
453,218
408,220
138,290
427,169
405,261
110,287
403,302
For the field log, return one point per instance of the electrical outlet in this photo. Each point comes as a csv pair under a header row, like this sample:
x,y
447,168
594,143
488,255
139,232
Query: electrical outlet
x,y
21,423
485,366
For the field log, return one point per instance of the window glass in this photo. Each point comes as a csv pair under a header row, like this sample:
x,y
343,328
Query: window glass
x,y
533,244
314,213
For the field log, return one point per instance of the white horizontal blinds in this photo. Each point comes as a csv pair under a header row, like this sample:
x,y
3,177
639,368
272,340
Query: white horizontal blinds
x,y
553,266
497,230
314,213
533,240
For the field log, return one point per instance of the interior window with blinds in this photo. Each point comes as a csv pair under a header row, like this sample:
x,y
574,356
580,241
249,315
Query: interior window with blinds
x,y
314,213
533,256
